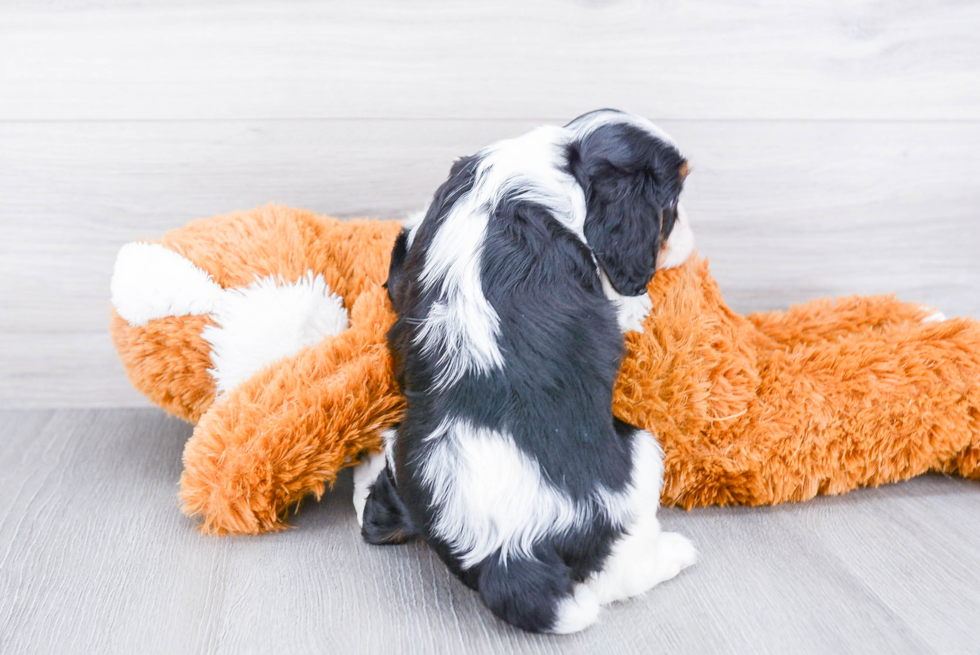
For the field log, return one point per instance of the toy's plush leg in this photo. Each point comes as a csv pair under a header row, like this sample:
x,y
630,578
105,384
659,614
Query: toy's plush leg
x,y
939,360
865,409
284,433
967,463
910,400
826,319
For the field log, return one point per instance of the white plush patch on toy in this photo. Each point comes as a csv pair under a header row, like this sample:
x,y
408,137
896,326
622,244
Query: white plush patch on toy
x,y
268,320
255,326
150,281
936,316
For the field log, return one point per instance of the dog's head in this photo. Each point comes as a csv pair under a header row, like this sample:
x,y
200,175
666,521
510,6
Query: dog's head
x,y
632,175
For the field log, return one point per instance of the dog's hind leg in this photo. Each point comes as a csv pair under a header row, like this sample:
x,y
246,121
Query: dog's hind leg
x,y
385,519
365,473
537,594
374,467
643,556
642,559
382,515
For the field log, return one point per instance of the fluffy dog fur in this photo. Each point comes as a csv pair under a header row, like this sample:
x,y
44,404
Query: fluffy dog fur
x,y
508,460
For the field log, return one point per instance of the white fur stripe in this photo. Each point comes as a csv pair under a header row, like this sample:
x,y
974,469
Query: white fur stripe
x,y
461,327
631,311
491,495
150,281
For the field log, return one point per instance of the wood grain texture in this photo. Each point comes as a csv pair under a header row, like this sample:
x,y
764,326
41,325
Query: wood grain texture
x,y
703,59
95,557
786,211
57,369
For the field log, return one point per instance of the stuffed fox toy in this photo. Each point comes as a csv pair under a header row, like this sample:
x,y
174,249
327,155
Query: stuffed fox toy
x,y
266,329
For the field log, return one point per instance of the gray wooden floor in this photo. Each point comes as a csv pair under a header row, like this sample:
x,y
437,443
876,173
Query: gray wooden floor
x,y
835,149
95,558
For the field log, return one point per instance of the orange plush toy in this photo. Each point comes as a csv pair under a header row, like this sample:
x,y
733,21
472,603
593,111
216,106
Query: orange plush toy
x,y
267,329
821,399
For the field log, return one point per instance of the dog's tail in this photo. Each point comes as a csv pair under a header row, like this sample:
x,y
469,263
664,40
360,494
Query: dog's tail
x,y
386,519
537,594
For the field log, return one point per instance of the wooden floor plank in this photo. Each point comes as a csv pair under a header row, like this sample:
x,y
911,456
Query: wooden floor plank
x,y
914,547
95,557
763,585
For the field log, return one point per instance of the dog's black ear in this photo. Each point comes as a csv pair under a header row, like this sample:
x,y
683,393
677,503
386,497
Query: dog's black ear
x,y
622,227
629,179
396,270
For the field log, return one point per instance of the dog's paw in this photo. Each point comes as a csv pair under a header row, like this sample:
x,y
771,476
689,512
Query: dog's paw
x,y
675,553
577,612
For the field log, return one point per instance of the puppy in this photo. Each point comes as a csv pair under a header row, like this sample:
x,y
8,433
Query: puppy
x,y
511,296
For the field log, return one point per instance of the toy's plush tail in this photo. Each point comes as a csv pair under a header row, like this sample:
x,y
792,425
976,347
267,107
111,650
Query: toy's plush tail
x,y
161,304
150,282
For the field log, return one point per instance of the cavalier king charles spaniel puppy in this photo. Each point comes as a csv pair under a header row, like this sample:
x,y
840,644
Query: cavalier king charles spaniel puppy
x,y
512,295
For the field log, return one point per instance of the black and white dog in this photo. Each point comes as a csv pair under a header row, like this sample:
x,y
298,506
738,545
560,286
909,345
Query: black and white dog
x,y
512,294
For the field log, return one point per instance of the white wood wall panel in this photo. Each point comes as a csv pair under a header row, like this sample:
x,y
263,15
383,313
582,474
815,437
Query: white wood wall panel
x,y
835,146
787,211
821,59
790,208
